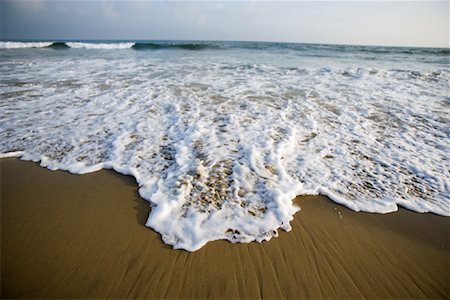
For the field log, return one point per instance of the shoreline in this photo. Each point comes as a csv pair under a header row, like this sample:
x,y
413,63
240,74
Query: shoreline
x,y
83,236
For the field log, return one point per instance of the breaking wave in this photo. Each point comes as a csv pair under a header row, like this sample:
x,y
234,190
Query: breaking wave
x,y
99,45
309,49
18,45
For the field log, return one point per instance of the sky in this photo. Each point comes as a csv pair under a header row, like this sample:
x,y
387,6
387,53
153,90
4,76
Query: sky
x,y
419,23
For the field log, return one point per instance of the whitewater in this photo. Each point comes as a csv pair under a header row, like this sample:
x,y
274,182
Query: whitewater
x,y
222,136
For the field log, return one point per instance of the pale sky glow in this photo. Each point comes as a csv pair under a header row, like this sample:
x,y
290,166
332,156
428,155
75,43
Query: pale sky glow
x,y
419,23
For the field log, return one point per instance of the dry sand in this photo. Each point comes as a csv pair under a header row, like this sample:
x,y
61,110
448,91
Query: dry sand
x,y
83,236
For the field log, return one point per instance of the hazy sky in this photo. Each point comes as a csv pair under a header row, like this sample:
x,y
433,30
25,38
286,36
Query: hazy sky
x,y
419,23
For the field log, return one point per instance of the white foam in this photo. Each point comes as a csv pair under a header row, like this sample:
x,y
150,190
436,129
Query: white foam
x,y
220,147
11,154
16,45
99,45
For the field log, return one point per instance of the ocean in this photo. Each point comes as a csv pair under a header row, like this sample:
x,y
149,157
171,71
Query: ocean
x,y
222,136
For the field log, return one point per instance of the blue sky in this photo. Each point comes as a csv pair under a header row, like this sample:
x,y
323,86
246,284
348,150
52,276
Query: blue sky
x,y
418,23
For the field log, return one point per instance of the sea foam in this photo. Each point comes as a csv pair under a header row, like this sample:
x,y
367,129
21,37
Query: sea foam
x,y
99,45
220,144
17,45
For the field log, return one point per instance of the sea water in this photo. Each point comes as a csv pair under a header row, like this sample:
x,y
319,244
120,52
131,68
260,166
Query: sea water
x,y
222,136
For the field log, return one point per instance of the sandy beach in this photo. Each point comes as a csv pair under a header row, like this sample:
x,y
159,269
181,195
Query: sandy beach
x,y
83,236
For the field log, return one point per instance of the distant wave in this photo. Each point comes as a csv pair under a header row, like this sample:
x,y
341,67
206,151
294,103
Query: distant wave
x,y
318,50
99,45
93,45
187,46
398,50
58,45
17,45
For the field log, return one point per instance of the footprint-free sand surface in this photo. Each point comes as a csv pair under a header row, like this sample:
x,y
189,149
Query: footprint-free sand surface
x,y
83,236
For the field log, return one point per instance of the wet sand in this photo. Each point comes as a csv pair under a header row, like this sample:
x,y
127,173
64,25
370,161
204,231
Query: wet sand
x,y
83,236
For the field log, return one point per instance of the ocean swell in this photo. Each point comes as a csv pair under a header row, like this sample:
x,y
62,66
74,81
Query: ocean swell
x,y
304,49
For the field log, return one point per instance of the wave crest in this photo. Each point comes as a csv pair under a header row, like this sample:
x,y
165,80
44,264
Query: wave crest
x,y
99,45
18,45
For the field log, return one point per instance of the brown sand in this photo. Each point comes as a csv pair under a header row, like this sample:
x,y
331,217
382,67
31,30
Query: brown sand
x,y
82,236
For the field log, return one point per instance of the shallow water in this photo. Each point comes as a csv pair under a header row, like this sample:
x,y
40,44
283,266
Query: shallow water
x,y
222,136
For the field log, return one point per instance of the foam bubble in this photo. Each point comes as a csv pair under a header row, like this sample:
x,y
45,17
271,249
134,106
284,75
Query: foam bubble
x,y
220,146
17,45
